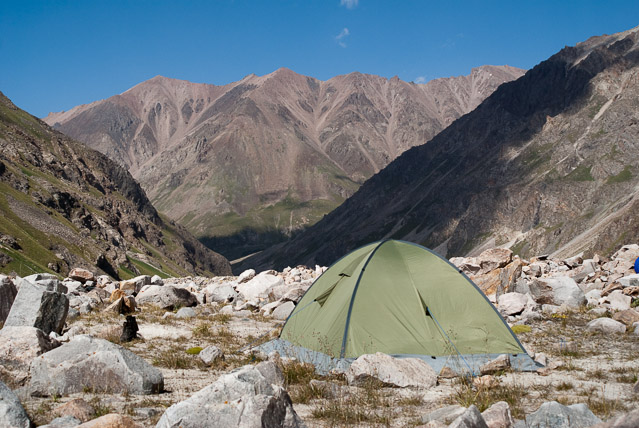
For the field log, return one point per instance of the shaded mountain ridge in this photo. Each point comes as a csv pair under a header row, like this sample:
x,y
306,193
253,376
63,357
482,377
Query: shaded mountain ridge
x,y
546,164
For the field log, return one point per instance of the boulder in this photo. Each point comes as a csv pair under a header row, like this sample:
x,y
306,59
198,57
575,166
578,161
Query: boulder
x,y
40,307
628,317
618,301
445,414
78,408
157,280
508,276
512,303
499,364
185,313
283,311
246,276
494,258
112,420
471,418
134,285
498,416
224,293
63,422
629,280
295,294
557,291
555,415
211,354
96,364
21,345
468,265
259,287
8,293
606,326
251,396
400,372
166,297
81,275
12,414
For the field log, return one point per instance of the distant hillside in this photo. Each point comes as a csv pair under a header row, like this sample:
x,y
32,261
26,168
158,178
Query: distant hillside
x,y
547,164
63,205
245,165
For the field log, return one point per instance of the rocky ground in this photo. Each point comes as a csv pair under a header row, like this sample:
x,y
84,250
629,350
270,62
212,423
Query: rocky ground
x,y
67,361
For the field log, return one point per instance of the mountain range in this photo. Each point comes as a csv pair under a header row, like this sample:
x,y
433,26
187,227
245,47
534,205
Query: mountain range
x,y
246,165
548,163
64,205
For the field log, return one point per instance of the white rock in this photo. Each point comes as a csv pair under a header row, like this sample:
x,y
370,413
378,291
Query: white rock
x,y
223,293
283,311
156,280
185,313
251,396
512,303
246,275
498,416
629,280
400,372
558,291
210,354
618,301
606,325
259,286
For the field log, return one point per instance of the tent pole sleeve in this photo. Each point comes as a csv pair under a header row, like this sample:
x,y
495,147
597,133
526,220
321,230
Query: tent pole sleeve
x,y
350,305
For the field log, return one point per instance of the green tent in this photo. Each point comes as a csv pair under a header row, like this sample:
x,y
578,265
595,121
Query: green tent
x,y
401,299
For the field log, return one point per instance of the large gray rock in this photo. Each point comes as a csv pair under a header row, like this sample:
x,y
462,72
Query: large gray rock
x,y
211,354
38,306
618,301
251,396
21,345
606,325
400,372
555,415
557,291
445,414
12,414
166,297
96,364
498,415
471,418
8,293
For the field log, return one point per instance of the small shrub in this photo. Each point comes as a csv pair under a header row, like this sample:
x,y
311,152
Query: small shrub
x,y
519,329
296,373
175,358
483,397
221,318
202,330
194,350
565,386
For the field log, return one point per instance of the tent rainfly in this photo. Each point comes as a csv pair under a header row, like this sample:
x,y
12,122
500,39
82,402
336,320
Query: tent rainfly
x,y
401,299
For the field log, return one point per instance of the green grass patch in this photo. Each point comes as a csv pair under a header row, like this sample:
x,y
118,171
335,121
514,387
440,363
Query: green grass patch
x,y
194,350
581,173
623,176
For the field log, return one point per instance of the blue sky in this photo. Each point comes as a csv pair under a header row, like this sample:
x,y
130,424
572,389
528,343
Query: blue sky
x,y
58,54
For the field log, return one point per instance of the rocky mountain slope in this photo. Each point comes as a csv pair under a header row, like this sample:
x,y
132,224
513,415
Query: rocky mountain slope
x,y
547,164
63,204
246,164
